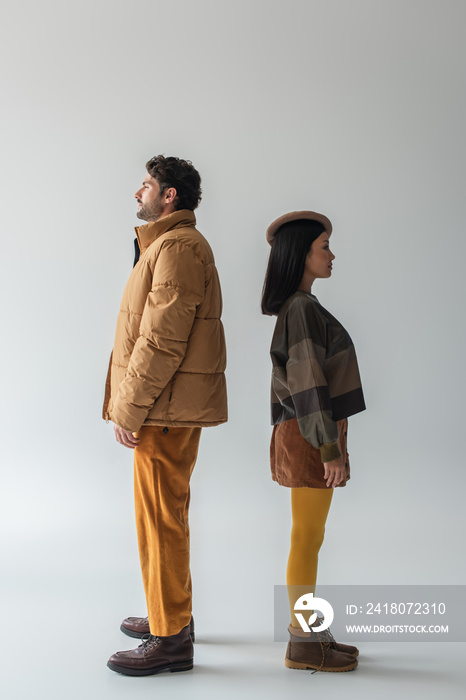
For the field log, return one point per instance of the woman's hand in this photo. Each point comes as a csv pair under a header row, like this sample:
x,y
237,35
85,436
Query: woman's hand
x,y
334,472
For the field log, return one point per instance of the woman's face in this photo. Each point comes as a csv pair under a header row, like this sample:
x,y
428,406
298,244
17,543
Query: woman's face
x,y
318,263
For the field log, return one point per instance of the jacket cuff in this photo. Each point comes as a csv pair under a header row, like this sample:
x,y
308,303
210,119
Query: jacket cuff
x,y
126,419
329,451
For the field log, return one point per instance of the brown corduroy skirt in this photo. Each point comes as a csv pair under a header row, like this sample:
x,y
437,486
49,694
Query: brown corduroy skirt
x,y
295,462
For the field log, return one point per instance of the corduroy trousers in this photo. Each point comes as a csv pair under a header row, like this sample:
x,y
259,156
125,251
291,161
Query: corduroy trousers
x,y
163,463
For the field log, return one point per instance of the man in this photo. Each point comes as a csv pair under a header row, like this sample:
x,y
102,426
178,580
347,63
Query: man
x,y
165,383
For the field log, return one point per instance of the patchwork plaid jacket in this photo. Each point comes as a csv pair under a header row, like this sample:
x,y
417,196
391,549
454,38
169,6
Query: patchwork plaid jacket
x,y
315,376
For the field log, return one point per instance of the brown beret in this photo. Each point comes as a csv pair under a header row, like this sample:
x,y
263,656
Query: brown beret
x,y
293,216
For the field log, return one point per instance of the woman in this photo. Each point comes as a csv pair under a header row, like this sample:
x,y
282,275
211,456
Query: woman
x,y
315,388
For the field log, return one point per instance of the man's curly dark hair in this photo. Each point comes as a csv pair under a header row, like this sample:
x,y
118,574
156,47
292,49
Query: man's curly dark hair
x,y
180,174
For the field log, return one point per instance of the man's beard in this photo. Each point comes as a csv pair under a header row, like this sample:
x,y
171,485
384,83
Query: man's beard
x,y
151,211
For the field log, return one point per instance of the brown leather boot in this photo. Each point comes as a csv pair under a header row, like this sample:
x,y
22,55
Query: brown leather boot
x,y
138,627
319,655
327,636
156,654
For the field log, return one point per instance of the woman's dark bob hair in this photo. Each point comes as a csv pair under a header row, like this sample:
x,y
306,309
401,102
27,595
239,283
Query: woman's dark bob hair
x,y
285,268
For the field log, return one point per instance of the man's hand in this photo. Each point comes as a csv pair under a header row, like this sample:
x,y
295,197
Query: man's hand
x,y
334,472
125,437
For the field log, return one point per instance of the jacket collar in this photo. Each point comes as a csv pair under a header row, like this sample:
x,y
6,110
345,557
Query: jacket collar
x,y
148,233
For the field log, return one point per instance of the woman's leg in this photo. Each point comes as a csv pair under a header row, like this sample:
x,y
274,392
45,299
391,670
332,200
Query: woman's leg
x,y
309,508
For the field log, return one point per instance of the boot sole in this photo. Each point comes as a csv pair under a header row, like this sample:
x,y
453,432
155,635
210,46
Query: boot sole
x,y
329,669
131,633
173,668
140,635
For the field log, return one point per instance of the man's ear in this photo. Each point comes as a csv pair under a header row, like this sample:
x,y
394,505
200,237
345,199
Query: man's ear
x,y
170,195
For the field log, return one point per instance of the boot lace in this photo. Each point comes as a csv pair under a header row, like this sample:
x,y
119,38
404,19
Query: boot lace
x,y
149,641
327,635
323,647
326,640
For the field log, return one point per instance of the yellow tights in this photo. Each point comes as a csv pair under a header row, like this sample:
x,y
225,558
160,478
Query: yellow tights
x,y
309,508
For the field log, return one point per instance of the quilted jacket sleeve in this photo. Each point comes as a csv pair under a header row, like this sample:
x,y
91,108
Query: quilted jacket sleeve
x,y
177,289
306,379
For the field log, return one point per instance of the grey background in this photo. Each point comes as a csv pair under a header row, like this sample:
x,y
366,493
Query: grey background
x,y
352,108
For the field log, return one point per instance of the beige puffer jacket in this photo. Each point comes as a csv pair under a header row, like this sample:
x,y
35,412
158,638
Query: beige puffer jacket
x,y
169,357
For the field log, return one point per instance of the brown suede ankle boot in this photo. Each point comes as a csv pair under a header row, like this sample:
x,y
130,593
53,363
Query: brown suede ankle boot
x,y
302,653
327,636
156,654
138,627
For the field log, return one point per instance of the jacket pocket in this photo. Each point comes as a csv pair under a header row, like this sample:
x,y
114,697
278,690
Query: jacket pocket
x,y
170,404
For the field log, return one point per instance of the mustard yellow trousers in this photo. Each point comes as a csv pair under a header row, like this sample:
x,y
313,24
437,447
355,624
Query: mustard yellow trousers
x,y
163,463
